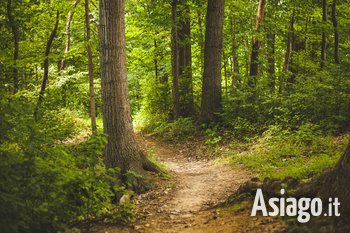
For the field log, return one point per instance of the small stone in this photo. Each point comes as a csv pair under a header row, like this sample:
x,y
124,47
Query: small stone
x,y
125,199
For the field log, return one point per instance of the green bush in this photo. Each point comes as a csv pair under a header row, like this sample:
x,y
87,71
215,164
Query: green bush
x,y
45,183
179,129
280,153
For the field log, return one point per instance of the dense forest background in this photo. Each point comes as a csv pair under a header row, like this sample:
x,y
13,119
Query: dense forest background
x,y
269,80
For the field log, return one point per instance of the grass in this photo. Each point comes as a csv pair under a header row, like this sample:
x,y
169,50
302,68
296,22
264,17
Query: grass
x,y
287,154
152,157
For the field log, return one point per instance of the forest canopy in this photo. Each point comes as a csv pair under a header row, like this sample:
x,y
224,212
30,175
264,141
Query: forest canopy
x,y
272,75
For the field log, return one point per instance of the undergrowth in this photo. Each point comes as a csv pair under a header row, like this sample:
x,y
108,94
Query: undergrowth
x,y
279,153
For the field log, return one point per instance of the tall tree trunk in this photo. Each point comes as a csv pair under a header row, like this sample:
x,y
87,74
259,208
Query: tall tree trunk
x,y
175,60
46,65
185,62
254,61
324,42
91,67
15,33
121,150
271,38
288,55
235,62
155,59
225,58
211,87
201,39
336,33
69,21
182,60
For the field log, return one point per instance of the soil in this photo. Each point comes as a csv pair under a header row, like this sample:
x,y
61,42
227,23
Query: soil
x,y
187,201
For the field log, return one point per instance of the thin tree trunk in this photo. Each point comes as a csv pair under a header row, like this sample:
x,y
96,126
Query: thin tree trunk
x,y
235,75
201,40
15,33
69,21
271,38
247,57
336,33
182,60
121,150
211,88
155,59
225,72
254,61
288,55
91,67
324,42
46,66
175,60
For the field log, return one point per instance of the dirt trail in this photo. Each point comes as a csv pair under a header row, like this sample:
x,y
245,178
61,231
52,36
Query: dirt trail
x,y
183,203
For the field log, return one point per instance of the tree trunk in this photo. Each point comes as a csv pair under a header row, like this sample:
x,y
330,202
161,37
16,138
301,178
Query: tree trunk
x,y
287,56
225,58
211,87
201,39
235,62
69,21
333,183
175,60
182,60
324,43
91,67
46,65
155,59
336,33
15,33
271,38
121,150
254,61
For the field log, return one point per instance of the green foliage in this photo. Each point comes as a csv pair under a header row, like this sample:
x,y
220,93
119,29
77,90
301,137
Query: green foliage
x,y
212,137
46,183
302,154
179,129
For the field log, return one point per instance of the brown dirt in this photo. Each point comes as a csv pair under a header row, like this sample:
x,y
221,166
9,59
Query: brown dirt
x,y
186,202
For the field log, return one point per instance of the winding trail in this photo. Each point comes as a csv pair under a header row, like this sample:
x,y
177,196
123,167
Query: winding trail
x,y
185,202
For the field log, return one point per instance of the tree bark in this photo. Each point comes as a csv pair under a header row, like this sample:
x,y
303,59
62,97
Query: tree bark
x,y
46,65
201,39
15,33
175,60
90,67
211,87
69,21
182,60
324,42
254,61
288,55
336,33
271,38
121,150
235,62
333,183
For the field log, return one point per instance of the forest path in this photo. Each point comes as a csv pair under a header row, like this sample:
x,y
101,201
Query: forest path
x,y
183,203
